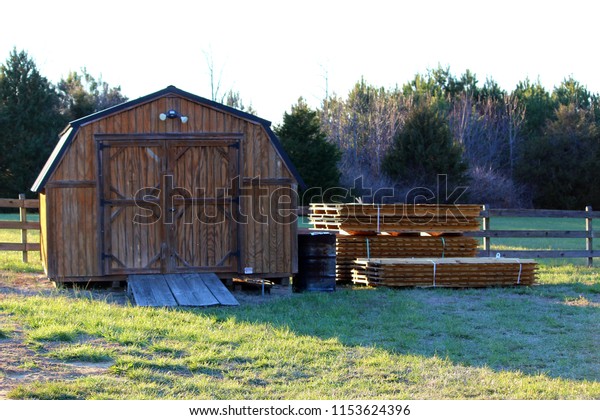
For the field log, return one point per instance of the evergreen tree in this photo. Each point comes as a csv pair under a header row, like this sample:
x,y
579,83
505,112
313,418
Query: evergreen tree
x,y
315,158
570,91
29,123
562,163
423,148
538,105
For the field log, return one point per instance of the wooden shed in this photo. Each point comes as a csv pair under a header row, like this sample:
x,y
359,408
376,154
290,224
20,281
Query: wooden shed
x,y
168,183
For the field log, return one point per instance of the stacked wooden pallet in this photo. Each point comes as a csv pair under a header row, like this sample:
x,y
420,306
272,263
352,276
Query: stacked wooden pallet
x,y
375,218
349,248
444,272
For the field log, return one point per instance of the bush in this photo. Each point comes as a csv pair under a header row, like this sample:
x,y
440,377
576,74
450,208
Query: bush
x,y
499,191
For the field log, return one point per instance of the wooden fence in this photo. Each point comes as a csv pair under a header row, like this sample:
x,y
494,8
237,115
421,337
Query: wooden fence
x,y
487,233
22,224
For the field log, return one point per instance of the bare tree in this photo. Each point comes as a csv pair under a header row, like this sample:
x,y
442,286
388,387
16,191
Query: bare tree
x,y
363,127
515,116
215,83
489,132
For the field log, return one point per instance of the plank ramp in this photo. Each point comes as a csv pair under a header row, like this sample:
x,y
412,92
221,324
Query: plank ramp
x,y
189,289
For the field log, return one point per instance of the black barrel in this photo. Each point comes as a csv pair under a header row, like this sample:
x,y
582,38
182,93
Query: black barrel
x,y
316,263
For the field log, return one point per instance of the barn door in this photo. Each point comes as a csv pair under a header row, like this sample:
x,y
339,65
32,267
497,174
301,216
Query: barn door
x,y
203,200
167,204
132,236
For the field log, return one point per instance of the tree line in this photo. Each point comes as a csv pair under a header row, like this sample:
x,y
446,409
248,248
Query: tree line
x,y
528,147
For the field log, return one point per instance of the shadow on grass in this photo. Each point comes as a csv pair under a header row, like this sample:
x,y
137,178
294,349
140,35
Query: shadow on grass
x,y
546,329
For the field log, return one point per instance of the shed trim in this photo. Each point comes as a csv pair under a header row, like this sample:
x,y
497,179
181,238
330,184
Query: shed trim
x,y
69,133
55,157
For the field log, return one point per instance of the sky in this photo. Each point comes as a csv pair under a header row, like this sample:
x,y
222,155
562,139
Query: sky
x,y
273,52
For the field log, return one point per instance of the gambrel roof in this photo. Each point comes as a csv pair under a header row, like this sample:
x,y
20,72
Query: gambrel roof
x,y
70,132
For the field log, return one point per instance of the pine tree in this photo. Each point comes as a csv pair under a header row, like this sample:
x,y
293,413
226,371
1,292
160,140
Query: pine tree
x,y
424,148
562,164
29,123
315,158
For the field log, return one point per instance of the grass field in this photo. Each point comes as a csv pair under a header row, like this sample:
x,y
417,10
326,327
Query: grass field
x,y
537,342
519,343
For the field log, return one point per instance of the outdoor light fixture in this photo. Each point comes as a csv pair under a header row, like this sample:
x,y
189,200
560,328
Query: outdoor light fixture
x,y
172,114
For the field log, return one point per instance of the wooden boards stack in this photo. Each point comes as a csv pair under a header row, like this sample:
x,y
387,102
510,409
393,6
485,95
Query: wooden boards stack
x,y
349,248
356,218
444,272
414,245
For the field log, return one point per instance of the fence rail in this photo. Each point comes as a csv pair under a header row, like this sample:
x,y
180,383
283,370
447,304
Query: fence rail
x,y
588,234
487,233
22,224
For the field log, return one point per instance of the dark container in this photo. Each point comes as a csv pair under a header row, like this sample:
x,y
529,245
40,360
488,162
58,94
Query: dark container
x,y
316,263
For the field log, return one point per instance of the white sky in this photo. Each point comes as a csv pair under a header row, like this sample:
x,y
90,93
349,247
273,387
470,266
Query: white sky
x,y
273,52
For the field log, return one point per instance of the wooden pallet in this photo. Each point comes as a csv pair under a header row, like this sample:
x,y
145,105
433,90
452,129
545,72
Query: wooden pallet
x,y
444,272
349,248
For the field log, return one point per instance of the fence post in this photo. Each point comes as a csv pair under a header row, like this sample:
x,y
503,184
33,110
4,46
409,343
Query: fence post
x,y
486,227
590,234
23,219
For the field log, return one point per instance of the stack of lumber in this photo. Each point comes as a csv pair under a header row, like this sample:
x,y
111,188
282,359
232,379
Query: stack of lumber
x,y
349,248
444,272
414,245
357,218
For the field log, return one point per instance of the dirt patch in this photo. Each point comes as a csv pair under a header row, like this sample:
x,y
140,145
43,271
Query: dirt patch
x,y
26,284
19,365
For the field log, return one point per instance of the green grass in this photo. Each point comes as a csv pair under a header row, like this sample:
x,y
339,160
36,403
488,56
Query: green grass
x,y
29,365
5,332
357,343
83,352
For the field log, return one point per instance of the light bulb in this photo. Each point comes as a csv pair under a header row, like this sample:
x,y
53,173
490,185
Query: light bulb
x,y
162,116
184,119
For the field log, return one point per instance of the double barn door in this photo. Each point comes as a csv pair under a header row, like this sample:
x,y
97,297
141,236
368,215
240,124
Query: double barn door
x,y
168,203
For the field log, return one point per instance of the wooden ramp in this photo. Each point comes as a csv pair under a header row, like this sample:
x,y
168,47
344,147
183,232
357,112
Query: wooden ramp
x,y
195,289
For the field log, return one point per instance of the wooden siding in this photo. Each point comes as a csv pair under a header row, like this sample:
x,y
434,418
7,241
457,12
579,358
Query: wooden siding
x,y
270,242
72,193
71,231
